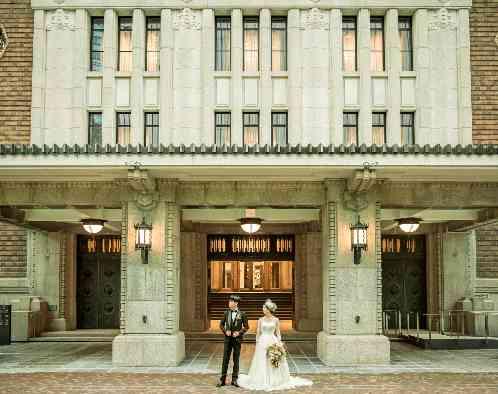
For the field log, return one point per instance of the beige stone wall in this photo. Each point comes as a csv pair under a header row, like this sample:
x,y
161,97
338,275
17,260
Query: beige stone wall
x,y
12,251
16,17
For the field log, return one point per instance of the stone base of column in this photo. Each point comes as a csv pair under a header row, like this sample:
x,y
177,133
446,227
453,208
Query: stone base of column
x,y
148,350
336,350
57,325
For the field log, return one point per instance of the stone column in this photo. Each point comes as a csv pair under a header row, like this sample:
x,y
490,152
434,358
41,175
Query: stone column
x,y
295,78
365,117
108,83
421,57
39,77
393,63
336,78
266,81
166,80
208,82
352,293
150,333
236,68
464,78
137,79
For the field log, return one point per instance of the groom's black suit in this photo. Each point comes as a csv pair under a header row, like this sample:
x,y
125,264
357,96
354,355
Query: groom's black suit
x,y
238,324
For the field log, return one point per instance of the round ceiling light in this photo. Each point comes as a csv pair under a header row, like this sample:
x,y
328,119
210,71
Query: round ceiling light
x,y
93,226
250,225
409,225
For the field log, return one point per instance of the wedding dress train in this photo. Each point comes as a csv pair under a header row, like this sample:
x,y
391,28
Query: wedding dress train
x,y
262,376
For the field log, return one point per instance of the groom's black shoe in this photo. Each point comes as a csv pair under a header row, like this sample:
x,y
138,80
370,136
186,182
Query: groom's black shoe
x,y
221,384
234,383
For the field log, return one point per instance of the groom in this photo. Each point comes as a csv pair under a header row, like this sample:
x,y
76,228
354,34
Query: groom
x,y
234,325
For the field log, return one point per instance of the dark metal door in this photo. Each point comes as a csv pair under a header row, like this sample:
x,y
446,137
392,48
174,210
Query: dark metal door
x,y
99,288
404,276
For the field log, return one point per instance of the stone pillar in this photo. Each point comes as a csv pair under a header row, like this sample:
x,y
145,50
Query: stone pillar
x,y
265,72
464,78
295,77
336,78
110,59
39,77
421,63
393,63
236,68
208,82
137,79
166,80
352,293
150,333
365,117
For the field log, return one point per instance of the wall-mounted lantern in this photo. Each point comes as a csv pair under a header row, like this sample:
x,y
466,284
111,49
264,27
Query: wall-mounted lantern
x,y
358,239
143,239
409,225
93,226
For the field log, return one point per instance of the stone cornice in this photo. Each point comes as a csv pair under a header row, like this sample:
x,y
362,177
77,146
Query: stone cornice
x,y
253,4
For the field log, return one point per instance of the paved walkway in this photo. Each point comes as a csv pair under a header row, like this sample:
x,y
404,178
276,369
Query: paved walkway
x,y
205,358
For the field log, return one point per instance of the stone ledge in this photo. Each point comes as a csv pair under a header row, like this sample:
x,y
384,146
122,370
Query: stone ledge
x,y
337,350
148,350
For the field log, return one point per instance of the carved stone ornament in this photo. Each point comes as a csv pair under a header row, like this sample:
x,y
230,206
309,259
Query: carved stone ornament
x,y
357,187
355,201
144,188
442,21
61,20
315,19
4,40
187,20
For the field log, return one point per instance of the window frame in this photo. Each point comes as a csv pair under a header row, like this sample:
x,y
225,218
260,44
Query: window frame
x,y
217,49
92,51
244,125
378,19
91,126
147,50
355,20
153,125
273,125
118,124
384,116
412,117
357,137
120,51
286,49
406,19
229,126
244,29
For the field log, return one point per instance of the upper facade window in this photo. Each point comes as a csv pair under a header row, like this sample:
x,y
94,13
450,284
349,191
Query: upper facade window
x,y
349,43
125,48
153,38
279,128
223,43
95,128
97,44
251,43
379,128
123,128
251,128
151,128
278,43
377,44
407,128
222,128
405,35
350,124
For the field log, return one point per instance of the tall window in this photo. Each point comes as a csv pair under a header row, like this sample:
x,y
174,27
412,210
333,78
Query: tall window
x,y
251,128
222,56
152,49
125,48
123,130
407,128
152,128
377,43
95,128
379,128
251,43
405,35
278,43
279,128
222,128
97,44
349,43
350,124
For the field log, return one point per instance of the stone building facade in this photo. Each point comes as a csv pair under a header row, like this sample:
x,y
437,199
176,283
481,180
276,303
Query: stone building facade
x,y
315,114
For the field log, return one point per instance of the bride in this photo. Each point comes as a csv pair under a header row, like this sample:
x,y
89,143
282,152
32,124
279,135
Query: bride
x,y
262,375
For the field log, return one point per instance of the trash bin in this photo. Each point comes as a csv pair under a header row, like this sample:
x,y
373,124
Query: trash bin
x,y
5,324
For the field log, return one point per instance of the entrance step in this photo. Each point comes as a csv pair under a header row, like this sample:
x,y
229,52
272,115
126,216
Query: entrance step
x,y
217,336
447,342
76,336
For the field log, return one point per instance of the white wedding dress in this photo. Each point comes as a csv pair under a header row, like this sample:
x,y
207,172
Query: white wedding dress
x,y
262,376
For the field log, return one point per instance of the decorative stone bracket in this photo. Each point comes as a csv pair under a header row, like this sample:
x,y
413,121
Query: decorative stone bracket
x,y
144,188
357,187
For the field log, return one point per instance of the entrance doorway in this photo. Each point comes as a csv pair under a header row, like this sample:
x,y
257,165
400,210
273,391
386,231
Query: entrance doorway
x,y
404,278
98,282
254,267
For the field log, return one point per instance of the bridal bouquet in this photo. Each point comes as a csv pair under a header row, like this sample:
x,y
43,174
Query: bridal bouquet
x,y
276,353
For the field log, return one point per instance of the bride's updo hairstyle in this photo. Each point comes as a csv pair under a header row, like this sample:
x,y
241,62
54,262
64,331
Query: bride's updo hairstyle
x,y
271,306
